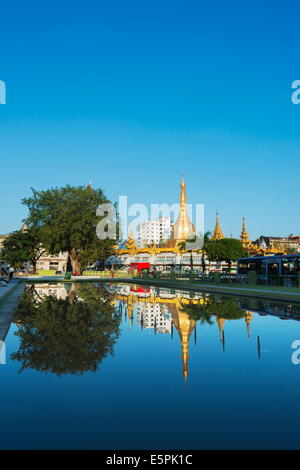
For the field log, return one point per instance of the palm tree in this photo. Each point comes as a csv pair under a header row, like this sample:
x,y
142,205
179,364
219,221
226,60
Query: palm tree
x,y
183,247
206,238
198,312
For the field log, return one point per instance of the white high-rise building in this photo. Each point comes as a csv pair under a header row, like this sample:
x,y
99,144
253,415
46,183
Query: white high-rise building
x,y
154,315
154,231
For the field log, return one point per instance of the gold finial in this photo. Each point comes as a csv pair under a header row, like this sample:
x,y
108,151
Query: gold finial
x,y
182,194
218,234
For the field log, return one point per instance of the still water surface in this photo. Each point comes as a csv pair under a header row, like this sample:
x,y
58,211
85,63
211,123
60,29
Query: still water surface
x,y
115,366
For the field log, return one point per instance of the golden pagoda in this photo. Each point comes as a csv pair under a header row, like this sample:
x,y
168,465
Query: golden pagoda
x,y
131,245
252,248
218,234
244,234
183,227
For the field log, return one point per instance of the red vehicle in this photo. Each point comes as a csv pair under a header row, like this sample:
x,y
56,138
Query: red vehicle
x,y
144,290
139,266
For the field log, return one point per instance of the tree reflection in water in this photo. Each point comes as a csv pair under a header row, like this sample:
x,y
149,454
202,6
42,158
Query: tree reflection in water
x,y
214,306
66,336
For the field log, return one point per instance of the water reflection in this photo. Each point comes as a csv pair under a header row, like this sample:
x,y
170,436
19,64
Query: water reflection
x,y
65,331
70,329
163,309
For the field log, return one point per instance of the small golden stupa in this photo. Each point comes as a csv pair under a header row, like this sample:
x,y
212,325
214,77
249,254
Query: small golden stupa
x,y
218,234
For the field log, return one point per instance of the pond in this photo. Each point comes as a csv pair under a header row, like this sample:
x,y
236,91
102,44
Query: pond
x,y
122,366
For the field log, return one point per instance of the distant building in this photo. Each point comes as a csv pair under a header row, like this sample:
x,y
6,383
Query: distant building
x,y
154,231
53,262
50,262
47,262
2,238
283,244
45,290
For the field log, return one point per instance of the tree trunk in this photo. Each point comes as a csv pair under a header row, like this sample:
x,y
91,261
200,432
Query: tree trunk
x,y
191,260
74,261
203,262
33,262
72,293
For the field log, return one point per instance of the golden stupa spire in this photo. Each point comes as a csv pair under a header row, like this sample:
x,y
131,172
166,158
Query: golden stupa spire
x,y
248,319
131,245
182,193
218,234
183,227
244,234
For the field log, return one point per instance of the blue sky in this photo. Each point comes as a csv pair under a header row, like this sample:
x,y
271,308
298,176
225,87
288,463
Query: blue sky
x,y
131,95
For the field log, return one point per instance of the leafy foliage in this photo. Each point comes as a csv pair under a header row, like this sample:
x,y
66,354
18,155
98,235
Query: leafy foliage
x,y
218,306
22,246
226,249
67,221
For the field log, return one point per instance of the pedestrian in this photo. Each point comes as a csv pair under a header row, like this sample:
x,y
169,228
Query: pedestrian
x,y
11,272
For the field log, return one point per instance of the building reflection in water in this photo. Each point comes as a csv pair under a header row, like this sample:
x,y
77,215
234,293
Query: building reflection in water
x,y
159,309
163,309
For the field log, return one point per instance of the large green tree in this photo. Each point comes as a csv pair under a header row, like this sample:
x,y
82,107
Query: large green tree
x,y
226,249
23,246
214,305
67,221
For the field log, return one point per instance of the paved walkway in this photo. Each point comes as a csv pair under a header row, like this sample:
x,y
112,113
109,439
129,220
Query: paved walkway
x,y
9,301
5,289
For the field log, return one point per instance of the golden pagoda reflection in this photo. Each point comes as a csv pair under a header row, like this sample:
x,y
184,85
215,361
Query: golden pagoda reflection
x,y
181,320
220,323
184,326
130,309
248,319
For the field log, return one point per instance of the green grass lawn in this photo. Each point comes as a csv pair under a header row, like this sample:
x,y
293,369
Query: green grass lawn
x,y
45,272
